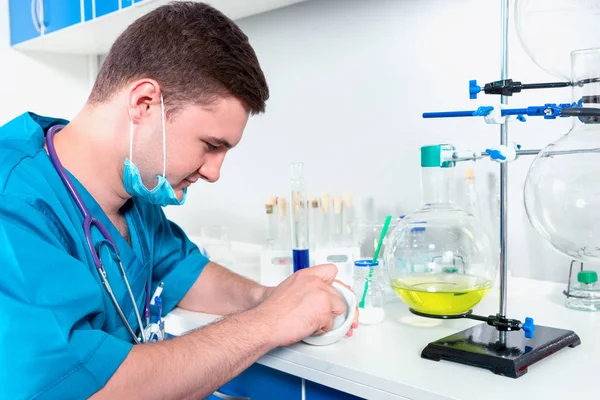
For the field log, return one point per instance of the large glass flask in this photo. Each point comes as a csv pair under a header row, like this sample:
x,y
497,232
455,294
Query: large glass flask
x,y
562,188
550,30
440,260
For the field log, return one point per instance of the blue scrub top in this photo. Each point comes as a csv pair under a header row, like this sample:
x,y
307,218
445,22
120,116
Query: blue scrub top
x,y
60,336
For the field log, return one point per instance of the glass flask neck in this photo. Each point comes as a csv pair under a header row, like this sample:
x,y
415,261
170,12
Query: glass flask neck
x,y
436,184
585,75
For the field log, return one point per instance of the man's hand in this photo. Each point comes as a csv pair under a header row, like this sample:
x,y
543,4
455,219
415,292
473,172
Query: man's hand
x,y
355,322
268,290
303,304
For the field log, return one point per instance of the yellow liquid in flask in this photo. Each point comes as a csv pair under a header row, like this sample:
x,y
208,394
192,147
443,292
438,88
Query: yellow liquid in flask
x,y
441,294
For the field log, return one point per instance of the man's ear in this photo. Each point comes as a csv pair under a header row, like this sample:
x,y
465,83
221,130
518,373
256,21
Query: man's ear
x,y
143,94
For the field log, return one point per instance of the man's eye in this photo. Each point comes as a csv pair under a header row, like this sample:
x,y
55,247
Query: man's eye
x,y
211,147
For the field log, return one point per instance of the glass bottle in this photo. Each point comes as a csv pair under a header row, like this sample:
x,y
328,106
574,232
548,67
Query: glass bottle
x,y
585,294
369,292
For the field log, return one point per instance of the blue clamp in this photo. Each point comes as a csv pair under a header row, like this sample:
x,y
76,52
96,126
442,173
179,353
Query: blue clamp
x,y
495,154
473,89
556,111
483,111
528,327
521,118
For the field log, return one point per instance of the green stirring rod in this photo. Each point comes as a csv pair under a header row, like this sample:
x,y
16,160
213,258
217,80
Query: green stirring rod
x,y
384,230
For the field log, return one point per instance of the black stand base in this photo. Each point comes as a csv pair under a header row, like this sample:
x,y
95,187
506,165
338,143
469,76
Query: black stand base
x,y
503,353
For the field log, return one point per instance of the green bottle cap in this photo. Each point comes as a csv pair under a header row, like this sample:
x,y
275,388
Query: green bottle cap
x,y
450,270
431,156
587,276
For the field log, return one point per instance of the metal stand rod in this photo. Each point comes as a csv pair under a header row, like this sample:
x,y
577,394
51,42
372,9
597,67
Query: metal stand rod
x,y
504,174
474,156
533,152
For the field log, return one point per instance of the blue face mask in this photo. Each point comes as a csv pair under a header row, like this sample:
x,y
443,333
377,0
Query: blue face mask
x,y
163,193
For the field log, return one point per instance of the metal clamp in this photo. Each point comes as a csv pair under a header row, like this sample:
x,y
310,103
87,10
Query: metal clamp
x,y
567,292
501,323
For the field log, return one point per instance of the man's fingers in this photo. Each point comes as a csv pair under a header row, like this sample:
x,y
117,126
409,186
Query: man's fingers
x,y
327,272
328,325
338,305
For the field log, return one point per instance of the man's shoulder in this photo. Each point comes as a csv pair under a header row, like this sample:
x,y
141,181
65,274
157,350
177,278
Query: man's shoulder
x,y
23,163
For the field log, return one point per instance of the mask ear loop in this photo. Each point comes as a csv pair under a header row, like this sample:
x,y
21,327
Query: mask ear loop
x,y
164,128
130,139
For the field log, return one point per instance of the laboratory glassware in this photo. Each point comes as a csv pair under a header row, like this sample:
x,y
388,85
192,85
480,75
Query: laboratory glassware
x,y
440,259
299,217
271,224
372,311
584,295
562,188
549,30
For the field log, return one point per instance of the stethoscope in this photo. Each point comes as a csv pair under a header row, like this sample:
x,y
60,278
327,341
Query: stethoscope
x,y
147,333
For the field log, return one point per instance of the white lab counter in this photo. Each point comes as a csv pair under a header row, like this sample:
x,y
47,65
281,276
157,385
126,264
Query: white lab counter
x,y
383,361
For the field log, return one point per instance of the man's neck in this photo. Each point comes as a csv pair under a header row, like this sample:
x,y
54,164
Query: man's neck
x,y
88,148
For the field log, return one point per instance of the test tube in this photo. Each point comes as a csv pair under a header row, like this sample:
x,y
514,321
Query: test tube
x,y
324,237
271,238
314,223
283,225
348,218
299,217
338,228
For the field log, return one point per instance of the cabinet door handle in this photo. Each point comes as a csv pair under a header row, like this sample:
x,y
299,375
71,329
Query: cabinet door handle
x,y
228,397
34,20
40,15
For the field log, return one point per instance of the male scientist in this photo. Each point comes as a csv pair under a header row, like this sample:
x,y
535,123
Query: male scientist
x,y
89,261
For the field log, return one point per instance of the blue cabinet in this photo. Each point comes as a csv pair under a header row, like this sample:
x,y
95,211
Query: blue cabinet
x,y
59,14
23,20
314,391
104,7
88,10
263,383
99,8
31,18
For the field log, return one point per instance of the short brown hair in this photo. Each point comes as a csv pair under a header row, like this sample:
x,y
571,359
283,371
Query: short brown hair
x,y
192,50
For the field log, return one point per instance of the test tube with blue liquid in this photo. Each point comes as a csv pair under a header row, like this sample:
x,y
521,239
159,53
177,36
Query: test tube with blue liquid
x,y
299,217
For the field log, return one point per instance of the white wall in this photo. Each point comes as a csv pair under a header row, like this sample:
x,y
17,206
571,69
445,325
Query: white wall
x,y
46,84
349,80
